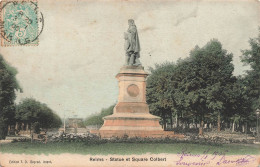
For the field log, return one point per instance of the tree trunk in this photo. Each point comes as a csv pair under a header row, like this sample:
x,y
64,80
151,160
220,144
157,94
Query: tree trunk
x,y
171,121
193,123
27,127
30,128
246,129
164,121
233,126
176,120
16,125
23,127
218,121
31,133
201,127
8,131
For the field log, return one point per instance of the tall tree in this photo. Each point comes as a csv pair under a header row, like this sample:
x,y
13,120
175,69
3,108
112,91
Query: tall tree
x,y
8,86
159,91
207,73
251,57
238,103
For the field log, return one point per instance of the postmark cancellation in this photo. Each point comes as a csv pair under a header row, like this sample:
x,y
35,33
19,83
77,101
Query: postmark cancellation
x,y
21,23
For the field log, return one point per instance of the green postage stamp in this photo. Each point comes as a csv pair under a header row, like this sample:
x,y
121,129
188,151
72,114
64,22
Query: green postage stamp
x,y
21,23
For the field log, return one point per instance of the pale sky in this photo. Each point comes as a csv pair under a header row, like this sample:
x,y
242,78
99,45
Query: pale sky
x,y
81,48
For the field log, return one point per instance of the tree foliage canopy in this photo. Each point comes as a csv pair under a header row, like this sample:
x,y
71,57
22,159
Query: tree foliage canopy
x,y
8,86
31,111
251,57
97,119
194,86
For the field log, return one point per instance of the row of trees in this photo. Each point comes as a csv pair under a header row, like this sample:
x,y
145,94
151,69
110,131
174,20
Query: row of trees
x,y
203,89
36,115
29,111
97,119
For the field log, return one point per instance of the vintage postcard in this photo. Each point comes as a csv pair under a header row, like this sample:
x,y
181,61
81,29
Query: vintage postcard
x,y
116,83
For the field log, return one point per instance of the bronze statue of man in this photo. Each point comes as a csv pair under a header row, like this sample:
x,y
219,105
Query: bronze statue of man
x,y
132,45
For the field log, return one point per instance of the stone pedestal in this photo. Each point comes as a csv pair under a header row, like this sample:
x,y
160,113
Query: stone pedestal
x,y
131,115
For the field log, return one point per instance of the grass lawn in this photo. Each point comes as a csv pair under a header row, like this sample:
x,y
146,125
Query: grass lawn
x,y
123,148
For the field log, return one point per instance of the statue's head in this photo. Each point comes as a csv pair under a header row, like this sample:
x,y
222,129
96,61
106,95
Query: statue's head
x,y
131,22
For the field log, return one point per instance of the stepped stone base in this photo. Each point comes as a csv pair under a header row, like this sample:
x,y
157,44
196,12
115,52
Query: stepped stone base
x,y
132,125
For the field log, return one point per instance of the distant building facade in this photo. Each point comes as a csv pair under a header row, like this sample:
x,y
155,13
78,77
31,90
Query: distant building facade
x,y
75,123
